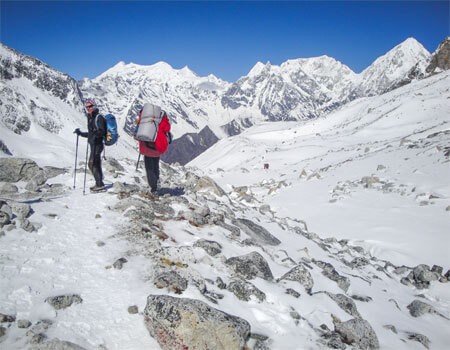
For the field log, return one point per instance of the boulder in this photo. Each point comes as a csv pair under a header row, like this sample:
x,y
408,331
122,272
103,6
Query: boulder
x,y
301,275
250,266
17,169
359,333
256,232
181,323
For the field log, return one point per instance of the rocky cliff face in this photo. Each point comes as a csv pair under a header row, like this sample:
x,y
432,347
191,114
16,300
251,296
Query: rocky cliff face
x,y
189,146
440,60
23,79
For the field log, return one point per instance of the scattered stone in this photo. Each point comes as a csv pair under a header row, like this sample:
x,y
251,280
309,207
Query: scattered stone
x,y
345,303
171,280
64,301
98,216
2,331
27,226
118,264
100,243
56,344
133,310
329,271
7,318
23,323
256,232
359,262
5,219
391,328
8,188
245,290
37,339
358,332
419,338
17,169
220,283
437,269
181,323
418,308
250,266
293,292
39,329
21,210
301,275
206,183
211,247
363,298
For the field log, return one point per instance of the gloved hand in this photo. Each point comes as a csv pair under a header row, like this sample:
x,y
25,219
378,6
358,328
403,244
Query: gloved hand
x,y
77,131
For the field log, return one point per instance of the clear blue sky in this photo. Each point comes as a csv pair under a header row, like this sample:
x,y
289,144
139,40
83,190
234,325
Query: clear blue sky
x,y
85,38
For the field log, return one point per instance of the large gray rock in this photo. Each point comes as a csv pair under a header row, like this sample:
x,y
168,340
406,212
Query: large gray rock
x,y
418,308
345,303
250,266
245,290
180,323
358,332
257,232
17,169
63,301
301,275
211,247
205,183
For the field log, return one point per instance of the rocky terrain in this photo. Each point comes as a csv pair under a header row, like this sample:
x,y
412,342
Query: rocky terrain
x,y
207,259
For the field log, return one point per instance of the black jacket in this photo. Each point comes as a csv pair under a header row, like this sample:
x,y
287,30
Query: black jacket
x,y
96,130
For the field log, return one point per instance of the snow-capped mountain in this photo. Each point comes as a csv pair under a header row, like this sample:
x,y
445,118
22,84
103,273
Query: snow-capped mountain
x,y
298,89
191,101
384,74
35,97
23,84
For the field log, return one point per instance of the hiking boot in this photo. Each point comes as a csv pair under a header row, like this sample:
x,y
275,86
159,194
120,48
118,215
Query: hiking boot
x,y
97,188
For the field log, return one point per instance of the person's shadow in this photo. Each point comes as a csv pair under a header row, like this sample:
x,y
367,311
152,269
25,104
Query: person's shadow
x,y
177,191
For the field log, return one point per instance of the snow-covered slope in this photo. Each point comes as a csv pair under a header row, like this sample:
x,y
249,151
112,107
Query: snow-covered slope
x,y
375,172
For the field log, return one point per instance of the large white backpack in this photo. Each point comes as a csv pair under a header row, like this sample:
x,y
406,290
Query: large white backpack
x,y
150,119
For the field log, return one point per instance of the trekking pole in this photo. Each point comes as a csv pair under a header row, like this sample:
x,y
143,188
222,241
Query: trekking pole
x,y
85,168
76,157
137,164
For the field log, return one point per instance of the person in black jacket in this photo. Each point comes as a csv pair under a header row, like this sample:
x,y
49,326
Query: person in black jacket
x,y
96,131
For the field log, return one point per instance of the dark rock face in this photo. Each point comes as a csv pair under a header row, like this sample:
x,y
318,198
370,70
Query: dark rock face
x,y
189,146
441,58
181,323
17,111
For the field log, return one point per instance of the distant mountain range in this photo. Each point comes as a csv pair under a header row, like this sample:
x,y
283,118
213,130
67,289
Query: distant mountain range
x,y
297,89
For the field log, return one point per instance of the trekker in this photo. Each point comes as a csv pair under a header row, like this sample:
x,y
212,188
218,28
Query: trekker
x,y
153,150
96,131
